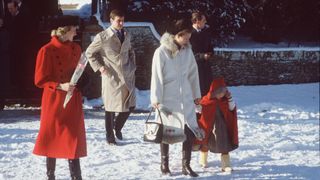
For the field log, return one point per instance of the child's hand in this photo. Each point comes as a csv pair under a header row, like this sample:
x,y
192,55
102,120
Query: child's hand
x,y
198,108
228,95
197,101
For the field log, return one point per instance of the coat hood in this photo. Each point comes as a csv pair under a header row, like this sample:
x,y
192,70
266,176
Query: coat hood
x,y
215,86
167,40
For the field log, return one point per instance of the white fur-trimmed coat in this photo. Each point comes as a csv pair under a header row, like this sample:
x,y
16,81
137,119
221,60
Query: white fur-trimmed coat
x,y
175,81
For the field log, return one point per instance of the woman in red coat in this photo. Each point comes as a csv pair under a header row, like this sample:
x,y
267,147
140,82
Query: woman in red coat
x,y
62,131
219,121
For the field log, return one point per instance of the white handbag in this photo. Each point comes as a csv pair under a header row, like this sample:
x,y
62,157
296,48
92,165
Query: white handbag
x,y
173,127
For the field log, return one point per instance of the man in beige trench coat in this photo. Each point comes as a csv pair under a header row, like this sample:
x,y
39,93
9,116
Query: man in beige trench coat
x,y
111,54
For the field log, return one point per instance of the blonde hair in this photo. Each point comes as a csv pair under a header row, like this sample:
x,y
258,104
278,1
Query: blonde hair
x,y
60,32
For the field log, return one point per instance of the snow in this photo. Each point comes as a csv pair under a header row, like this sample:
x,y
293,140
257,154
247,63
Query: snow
x,y
79,2
243,43
278,133
268,49
84,11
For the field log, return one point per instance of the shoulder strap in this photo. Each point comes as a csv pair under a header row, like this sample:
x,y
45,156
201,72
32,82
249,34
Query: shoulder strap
x,y
151,110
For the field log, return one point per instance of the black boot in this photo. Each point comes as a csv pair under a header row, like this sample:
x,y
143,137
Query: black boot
x,y
186,153
74,167
164,149
120,120
186,169
109,118
51,167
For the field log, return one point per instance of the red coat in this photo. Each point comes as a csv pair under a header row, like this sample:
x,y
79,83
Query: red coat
x,y
62,131
206,120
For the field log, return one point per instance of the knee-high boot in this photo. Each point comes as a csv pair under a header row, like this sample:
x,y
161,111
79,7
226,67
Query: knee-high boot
x,y
186,169
75,170
164,149
51,167
186,153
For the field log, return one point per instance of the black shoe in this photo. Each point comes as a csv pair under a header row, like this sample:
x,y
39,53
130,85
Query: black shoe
x,y
164,149
112,143
51,166
75,170
166,173
165,165
50,175
186,170
119,135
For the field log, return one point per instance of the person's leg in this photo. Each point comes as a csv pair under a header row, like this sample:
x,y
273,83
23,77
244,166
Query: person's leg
x,y
75,170
225,162
51,167
186,153
109,119
120,121
203,161
164,149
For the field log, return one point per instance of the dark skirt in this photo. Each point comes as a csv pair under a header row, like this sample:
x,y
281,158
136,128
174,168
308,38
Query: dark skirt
x,y
219,139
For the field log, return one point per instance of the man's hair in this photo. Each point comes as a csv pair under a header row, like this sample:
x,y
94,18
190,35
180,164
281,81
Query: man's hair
x,y
15,3
116,12
196,16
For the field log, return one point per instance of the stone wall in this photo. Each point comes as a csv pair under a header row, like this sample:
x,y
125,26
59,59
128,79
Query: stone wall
x,y
92,87
274,66
144,44
238,66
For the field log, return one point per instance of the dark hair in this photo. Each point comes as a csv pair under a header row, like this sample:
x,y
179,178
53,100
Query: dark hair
x,y
116,12
196,16
181,26
15,3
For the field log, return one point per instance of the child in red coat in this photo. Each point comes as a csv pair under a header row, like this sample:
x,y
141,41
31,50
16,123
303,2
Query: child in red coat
x,y
219,121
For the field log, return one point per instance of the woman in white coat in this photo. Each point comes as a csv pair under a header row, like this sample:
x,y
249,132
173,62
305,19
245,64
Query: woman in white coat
x,y
175,85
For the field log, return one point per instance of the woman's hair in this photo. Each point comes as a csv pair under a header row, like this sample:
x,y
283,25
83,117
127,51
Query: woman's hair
x,y
183,32
60,32
181,27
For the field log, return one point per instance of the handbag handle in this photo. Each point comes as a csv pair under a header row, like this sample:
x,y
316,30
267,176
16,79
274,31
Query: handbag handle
x,y
151,112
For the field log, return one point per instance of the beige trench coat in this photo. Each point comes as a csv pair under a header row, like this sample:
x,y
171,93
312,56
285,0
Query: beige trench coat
x,y
118,86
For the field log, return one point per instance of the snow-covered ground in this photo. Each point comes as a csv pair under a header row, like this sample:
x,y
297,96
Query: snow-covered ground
x,y
278,133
